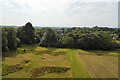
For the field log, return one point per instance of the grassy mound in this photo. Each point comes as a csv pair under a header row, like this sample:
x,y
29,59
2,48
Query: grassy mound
x,y
51,52
7,69
38,71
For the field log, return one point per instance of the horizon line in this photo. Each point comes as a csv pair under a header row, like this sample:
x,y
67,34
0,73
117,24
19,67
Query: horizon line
x,y
60,26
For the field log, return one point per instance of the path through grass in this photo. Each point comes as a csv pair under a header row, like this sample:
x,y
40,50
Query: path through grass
x,y
78,69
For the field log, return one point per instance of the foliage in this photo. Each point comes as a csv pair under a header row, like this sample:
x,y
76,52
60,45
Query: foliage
x,y
26,34
101,38
39,34
4,40
96,41
12,38
9,39
49,38
68,42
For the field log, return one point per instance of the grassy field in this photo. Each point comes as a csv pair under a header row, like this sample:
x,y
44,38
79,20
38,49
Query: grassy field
x,y
43,62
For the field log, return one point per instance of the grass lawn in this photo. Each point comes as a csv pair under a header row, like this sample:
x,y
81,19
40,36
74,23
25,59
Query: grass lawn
x,y
18,74
78,70
101,66
43,62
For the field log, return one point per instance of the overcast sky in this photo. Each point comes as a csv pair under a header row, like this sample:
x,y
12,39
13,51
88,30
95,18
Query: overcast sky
x,y
59,12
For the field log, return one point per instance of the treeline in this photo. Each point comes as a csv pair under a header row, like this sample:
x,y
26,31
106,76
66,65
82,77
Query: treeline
x,y
77,38
12,38
82,38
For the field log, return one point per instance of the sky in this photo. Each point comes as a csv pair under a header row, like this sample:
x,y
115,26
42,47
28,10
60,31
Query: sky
x,y
103,13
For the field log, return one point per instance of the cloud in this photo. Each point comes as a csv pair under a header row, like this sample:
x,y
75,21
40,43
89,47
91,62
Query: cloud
x,y
99,0
60,12
36,7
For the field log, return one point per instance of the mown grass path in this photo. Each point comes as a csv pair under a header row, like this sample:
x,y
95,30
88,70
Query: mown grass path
x,y
78,69
101,66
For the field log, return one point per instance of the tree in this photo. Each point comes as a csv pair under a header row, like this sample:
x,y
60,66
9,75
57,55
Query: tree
x,y
59,44
20,35
4,40
86,41
107,42
12,38
26,34
98,40
49,38
68,42
39,34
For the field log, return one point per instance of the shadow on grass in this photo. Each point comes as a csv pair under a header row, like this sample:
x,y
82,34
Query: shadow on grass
x,y
9,53
101,52
20,50
27,46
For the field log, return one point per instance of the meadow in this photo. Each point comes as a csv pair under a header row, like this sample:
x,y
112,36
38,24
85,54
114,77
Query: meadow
x,y
32,61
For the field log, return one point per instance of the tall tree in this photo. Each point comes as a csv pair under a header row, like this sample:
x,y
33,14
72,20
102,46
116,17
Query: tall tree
x,y
26,34
12,38
4,40
49,38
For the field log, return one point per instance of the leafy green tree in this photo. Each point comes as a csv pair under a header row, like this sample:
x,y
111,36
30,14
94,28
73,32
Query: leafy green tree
x,y
68,42
99,40
59,44
20,35
4,40
49,38
107,42
86,41
39,34
12,38
26,34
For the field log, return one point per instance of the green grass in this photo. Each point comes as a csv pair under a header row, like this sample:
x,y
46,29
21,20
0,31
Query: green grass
x,y
83,64
101,66
18,74
56,75
78,69
108,53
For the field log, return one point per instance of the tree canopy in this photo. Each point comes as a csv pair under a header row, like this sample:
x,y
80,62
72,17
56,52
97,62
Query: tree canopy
x,y
26,34
101,38
49,38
